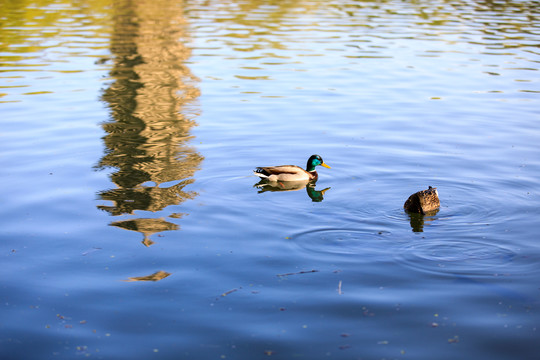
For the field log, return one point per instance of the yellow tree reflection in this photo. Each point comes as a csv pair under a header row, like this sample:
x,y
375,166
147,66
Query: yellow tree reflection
x,y
151,100
158,275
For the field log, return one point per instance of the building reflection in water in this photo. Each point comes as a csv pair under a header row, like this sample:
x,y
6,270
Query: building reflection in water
x,y
151,98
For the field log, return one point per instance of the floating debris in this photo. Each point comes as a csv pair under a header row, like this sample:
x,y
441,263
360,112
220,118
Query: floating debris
x,y
298,273
159,275
229,292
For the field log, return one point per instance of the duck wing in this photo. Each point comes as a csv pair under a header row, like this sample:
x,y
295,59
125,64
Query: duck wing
x,y
279,170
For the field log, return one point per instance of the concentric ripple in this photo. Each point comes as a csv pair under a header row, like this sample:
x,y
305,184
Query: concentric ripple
x,y
371,244
468,256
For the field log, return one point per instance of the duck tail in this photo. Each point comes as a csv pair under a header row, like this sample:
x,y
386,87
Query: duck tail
x,y
260,172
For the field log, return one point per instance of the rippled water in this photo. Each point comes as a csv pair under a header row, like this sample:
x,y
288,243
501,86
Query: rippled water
x,y
132,226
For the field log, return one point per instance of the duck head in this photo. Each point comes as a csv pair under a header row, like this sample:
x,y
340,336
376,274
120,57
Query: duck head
x,y
313,161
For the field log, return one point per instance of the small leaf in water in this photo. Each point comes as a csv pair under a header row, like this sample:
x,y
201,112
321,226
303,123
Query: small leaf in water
x,y
454,340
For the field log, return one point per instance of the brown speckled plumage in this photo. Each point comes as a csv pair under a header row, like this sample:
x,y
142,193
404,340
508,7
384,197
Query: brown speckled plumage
x,y
423,201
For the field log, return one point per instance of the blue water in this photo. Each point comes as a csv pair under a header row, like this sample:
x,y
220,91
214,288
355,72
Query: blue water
x,y
131,227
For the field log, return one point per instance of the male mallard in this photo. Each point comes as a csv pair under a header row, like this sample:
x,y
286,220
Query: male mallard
x,y
292,172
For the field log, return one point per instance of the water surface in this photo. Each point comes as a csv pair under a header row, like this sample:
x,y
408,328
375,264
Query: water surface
x,y
131,225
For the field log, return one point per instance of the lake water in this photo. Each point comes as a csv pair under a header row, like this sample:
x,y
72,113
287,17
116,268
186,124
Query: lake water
x,y
131,227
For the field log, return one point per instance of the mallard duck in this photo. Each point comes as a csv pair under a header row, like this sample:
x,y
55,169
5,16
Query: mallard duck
x,y
423,202
292,172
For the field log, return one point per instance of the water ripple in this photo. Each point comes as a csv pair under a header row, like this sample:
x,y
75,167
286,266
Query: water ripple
x,y
371,244
459,256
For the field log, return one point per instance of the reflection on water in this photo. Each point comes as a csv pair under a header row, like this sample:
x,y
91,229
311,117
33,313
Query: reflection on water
x,y
150,96
268,37
352,79
46,45
146,226
158,275
418,221
315,195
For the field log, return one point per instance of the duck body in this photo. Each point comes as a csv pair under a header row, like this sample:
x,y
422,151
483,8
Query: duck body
x,y
291,172
285,173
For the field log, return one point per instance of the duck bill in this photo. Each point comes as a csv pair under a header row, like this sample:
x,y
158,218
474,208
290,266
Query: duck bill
x,y
326,166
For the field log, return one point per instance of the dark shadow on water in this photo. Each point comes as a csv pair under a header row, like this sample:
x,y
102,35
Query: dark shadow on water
x,y
151,101
314,195
418,221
